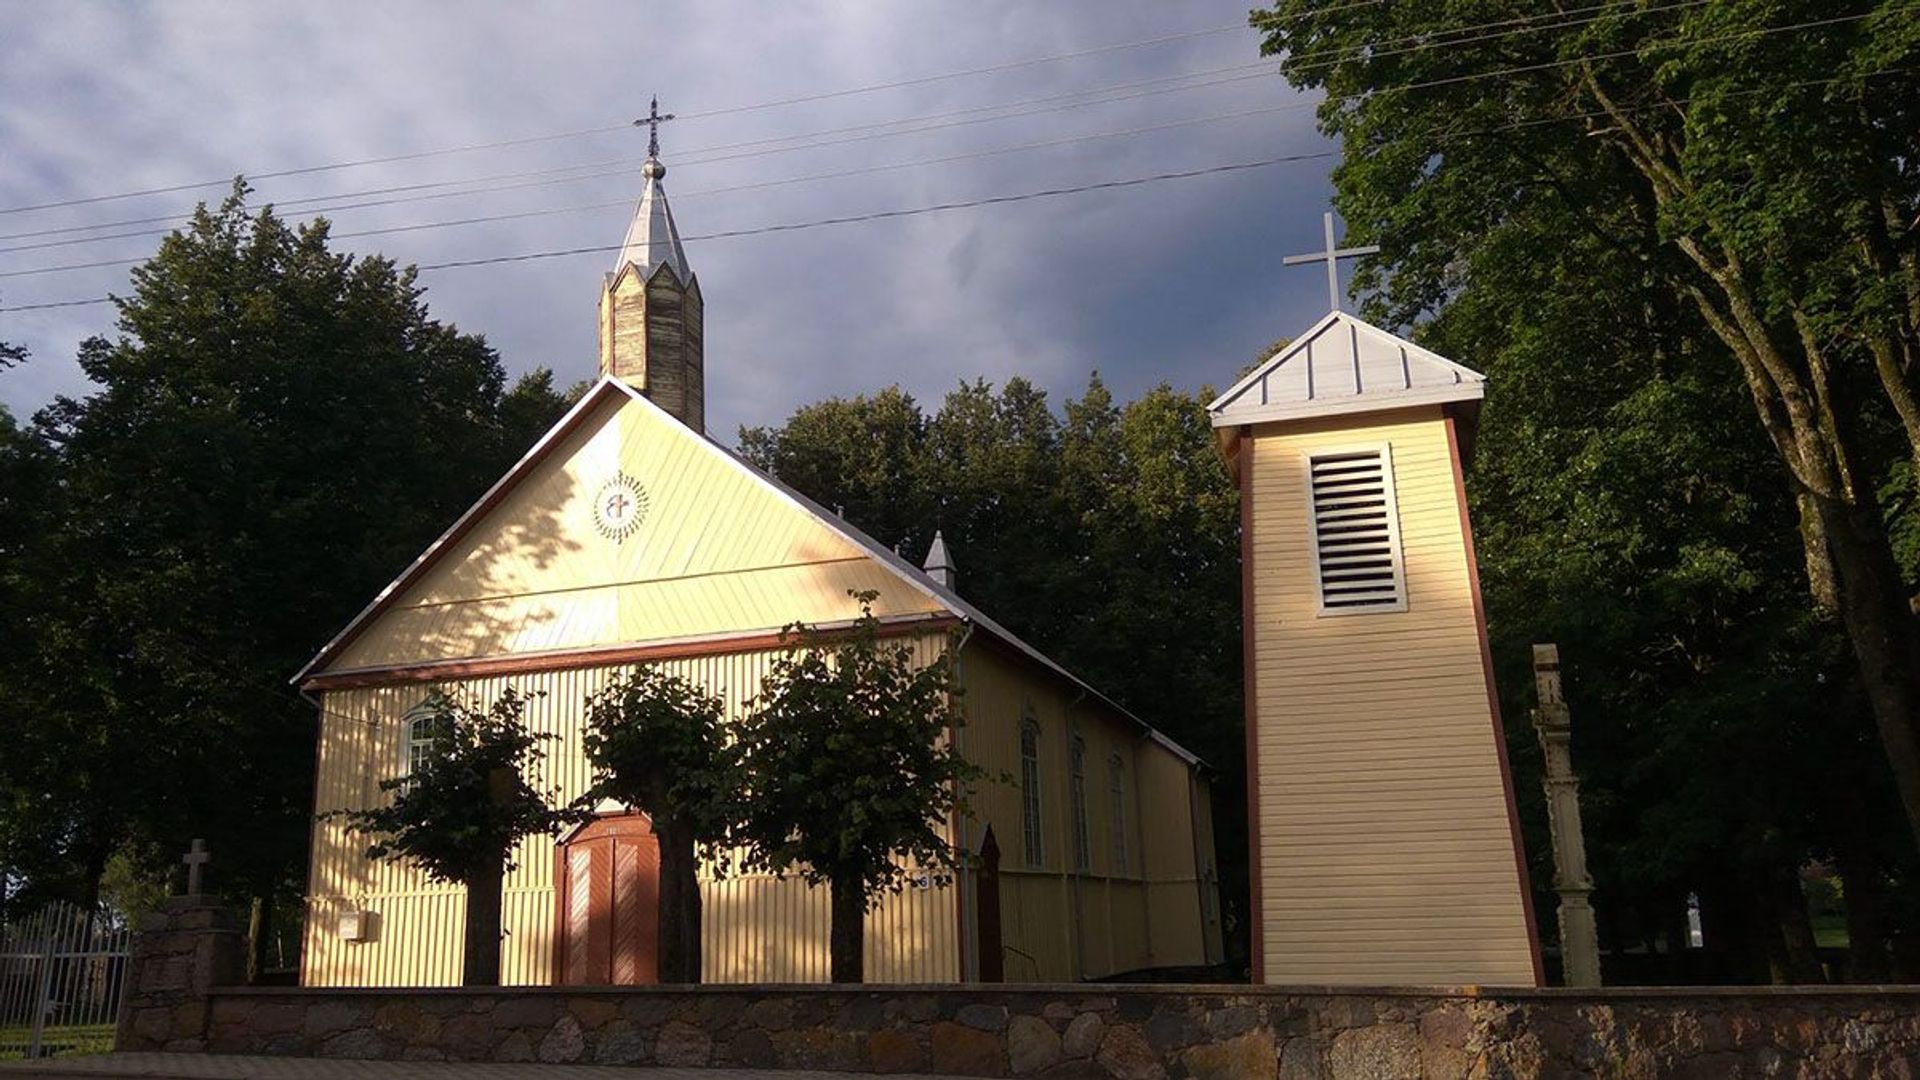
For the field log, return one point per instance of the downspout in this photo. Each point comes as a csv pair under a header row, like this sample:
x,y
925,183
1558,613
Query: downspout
x,y
964,879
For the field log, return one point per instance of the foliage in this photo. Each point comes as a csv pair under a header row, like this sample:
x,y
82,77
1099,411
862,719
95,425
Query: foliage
x,y
1664,233
461,812
656,744
273,432
1106,534
851,769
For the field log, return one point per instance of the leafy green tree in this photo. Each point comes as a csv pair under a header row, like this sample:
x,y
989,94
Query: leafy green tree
x,y
1104,534
462,811
272,433
851,769
657,744
1752,158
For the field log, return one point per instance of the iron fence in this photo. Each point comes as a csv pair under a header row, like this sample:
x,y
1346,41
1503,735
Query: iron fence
x,y
62,975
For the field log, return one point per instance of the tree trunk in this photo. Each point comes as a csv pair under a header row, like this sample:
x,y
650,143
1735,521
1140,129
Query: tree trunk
x,y
1800,953
848,948
482,961
1886,642
679,901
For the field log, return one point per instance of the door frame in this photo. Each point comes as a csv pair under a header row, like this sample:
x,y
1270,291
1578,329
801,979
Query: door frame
x,y
562,884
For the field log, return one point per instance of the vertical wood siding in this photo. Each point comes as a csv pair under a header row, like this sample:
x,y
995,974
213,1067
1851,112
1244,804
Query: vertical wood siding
x,y
1385,849
1059,925
757,929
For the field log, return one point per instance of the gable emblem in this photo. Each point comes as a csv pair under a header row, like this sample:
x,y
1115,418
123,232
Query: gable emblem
x,y
620,508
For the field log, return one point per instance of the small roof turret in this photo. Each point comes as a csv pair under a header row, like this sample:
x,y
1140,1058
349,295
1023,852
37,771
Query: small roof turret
x,y
939,564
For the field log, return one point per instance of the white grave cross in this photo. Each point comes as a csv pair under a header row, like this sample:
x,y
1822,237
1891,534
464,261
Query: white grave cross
x,y
1331,256
196,859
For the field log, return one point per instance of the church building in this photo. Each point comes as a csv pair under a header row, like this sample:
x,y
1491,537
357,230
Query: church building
x,y
628,536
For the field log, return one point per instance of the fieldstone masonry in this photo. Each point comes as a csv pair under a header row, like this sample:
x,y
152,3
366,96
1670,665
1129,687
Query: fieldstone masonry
x,y
180,954
182,1000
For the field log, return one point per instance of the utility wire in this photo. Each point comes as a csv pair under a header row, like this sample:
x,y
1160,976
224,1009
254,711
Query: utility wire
x,y
705,192
1046,193
922,80
1012,198
1371,51
606,129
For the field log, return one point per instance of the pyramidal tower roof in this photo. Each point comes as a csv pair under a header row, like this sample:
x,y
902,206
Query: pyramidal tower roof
x,y
652,239
1344,365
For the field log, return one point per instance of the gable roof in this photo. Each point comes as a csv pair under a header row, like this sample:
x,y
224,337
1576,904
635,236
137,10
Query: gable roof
x,y
1344,364
609,387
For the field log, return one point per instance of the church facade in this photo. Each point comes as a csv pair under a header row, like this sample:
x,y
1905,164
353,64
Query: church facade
x,y
626,536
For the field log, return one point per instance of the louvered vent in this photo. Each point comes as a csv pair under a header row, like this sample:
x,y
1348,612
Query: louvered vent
x,y
1356,532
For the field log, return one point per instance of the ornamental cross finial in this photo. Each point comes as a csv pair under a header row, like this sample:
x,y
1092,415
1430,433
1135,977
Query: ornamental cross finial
x,y
1331,256
196,858
653,120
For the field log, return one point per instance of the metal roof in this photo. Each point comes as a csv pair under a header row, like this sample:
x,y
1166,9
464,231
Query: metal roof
x,y
913,575
652,238
1344,365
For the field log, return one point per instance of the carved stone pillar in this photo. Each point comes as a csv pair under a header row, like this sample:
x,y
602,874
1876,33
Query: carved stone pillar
x,y
1579,939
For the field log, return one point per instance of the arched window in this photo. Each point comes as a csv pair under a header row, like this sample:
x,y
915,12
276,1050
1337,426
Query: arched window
x,y
420,729
1082,846
1030,791
1117,793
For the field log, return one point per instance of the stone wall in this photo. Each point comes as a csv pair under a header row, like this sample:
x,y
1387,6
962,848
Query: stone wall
x,y
187,959
1096,1031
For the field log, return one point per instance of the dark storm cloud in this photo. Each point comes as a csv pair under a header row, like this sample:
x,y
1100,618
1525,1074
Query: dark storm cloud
x,y
1179,281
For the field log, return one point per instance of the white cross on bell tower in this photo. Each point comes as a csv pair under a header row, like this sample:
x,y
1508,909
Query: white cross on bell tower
x,y
1331,256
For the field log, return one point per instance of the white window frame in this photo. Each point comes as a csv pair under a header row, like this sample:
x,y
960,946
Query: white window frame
x,y
1394,550
1032,818
413,744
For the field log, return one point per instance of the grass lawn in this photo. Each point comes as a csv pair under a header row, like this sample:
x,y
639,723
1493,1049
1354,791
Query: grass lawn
x,y
56,1039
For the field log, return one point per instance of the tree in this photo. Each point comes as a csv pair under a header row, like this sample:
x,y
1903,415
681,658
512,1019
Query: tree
x,y
462,811
851,769
657,744
1753,159
1102,535
273,432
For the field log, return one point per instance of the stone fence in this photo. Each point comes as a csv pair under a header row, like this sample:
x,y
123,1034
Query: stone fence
x,y
1047,1031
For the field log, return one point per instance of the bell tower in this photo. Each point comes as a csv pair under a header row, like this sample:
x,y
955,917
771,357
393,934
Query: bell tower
x,y
651,316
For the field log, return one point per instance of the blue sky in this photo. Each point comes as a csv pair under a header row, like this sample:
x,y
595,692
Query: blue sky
x,y
1178,282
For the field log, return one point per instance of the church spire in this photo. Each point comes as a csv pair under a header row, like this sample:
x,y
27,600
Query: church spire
x,y
652,326
652,239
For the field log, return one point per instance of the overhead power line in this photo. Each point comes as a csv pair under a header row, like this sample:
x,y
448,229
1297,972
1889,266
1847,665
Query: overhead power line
x,y
1046,193
1422,42
496,144
1378,50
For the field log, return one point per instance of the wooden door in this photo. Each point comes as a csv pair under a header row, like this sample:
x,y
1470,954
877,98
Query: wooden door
x,y
608,904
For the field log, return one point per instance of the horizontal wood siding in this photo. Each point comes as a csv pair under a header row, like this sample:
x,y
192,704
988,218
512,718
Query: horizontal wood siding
x,y
1385,853
757,929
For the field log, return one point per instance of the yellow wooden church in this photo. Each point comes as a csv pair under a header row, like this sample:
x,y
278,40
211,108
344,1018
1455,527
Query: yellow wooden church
x,y
628,536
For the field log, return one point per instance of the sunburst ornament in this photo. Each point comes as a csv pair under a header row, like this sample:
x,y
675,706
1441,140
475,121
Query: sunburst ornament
x,y
620,508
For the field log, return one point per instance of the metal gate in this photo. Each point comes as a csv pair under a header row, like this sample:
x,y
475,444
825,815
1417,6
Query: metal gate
x,y
61,980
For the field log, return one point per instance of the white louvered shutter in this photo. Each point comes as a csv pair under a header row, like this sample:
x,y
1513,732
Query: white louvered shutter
x,y
1356,532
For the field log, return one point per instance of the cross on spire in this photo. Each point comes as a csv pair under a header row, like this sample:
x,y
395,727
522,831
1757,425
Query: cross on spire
x,y
1331,257
196,858
653,120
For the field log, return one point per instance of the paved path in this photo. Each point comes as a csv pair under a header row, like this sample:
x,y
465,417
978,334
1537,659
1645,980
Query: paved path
x,y
233,1067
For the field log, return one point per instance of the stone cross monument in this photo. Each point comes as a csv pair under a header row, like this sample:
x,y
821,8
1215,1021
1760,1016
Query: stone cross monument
x,y
196,858
1579,940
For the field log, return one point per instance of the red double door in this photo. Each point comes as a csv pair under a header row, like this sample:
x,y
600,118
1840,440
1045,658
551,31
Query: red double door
x,y
609,903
